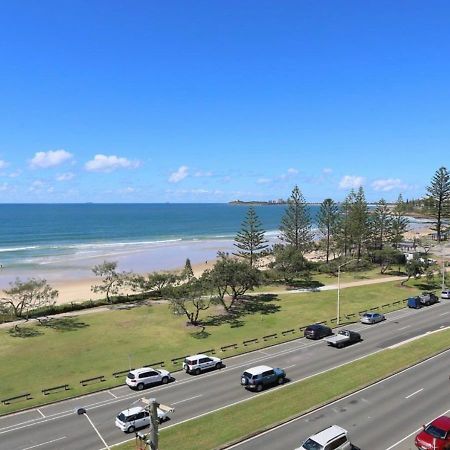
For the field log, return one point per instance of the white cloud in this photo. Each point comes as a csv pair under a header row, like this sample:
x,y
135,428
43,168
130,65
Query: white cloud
x,y
51,158
65,176
289,173
292,171
327,170
15,174
203,174
263,180
127,190
3,164
104,163
351,181
388,184
4,187
179,175
36,186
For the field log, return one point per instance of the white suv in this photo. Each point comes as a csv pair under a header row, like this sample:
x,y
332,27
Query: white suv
x,y
139,378
197,363
331,438
445,293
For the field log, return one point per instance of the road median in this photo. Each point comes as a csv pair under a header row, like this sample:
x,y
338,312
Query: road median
x,y
249,417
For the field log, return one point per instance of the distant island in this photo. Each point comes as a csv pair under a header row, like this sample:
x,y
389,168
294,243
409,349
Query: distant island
x,y
284,202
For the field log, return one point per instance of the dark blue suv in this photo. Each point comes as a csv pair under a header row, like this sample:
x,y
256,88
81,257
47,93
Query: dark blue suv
x,y
259,377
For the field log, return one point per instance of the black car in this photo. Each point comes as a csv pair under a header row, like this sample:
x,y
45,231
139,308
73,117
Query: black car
x,y
317,331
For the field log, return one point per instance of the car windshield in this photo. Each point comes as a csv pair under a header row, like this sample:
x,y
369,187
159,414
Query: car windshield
x,y
189,361
248,375
131,376
435,432
367,315
312,445
122,417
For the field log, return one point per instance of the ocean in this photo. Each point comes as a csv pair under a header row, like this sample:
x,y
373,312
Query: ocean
x,y
48,239
60,241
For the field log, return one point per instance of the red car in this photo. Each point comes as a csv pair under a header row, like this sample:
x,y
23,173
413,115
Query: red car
x,y
435,436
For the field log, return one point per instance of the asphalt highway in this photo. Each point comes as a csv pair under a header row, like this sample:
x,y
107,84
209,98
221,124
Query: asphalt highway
x,y
385,416
57,426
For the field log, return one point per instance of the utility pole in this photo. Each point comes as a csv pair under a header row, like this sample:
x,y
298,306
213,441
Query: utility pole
x,y
152,407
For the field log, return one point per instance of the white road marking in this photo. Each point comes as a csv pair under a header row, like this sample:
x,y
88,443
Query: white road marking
x,y
403,328
288,367
444,314
264,353
115,396
414,393
40,412
186,399
45,443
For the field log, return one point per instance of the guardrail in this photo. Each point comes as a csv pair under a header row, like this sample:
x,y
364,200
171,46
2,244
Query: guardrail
x,y
284,333
250,341
119,373
179,359
270,336
7,401
159,363
87,381
56,388
226,347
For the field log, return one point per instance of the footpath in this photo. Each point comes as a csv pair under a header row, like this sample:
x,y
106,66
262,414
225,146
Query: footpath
x,y
119,306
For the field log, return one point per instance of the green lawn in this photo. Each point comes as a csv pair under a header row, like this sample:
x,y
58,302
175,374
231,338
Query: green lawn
x,y
100,343
264,411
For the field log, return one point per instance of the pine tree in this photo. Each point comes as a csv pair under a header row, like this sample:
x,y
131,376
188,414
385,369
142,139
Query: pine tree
x,y
250,239
188,273
296,224
381,224
359,221
327,220
343,230
399,222
439,196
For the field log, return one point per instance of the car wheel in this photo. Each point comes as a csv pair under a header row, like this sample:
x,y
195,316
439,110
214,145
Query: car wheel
x,y
218,365
339,345
259,387
131,429
280,380
165,380
140,386
197,371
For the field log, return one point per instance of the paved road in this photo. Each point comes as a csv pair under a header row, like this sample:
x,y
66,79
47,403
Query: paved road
x,y
385,416
57,426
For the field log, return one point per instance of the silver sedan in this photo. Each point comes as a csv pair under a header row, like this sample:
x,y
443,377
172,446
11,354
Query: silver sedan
x,y
372,318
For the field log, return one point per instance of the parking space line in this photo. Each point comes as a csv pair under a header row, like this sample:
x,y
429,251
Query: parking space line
x,y
414,393
45,443
187,399
40,412
115,396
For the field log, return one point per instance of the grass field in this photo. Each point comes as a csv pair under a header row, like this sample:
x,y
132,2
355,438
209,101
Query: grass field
x,y
247,418
89,345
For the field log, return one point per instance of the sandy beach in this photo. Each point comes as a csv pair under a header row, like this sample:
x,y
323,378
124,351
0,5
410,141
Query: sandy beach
x,y
74,283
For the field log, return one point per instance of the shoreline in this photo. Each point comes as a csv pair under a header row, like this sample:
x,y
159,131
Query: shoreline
x,y
74,279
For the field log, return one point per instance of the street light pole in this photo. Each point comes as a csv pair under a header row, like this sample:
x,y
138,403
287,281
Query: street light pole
x,y
339,290
82,412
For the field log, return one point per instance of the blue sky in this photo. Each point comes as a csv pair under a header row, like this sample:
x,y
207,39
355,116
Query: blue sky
x,y
209,101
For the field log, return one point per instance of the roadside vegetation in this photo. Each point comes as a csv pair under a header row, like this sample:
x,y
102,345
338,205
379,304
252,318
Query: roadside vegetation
x,y
262,412
241,297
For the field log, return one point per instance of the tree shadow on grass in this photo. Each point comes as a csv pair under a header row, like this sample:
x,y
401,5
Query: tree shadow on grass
x,y
200,334
71,323
304,284
24,332
247,305
425,286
